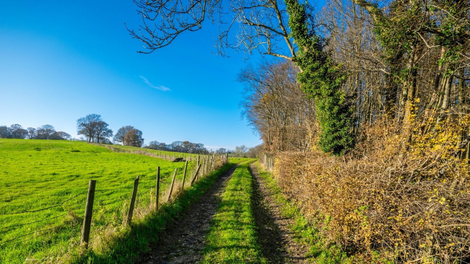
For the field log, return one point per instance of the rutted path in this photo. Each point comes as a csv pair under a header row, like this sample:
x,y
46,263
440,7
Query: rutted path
x,y
183,241
276,239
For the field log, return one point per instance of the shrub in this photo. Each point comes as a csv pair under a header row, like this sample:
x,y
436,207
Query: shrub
x,y
408,200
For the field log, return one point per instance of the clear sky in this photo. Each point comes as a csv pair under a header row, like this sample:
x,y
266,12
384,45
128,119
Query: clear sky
x,y
62,60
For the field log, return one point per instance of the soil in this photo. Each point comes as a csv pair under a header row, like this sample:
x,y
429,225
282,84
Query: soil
x,y
183,241
276,239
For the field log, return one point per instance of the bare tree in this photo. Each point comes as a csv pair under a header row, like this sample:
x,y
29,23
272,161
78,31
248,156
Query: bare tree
x,y
261,25
31,132
17,131
277,108
94,128
103,132
45,132
153,145
121,133
4,132
134,138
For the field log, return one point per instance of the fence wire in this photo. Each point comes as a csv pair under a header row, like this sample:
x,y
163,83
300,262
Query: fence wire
x,y
46,208
39,231
8,228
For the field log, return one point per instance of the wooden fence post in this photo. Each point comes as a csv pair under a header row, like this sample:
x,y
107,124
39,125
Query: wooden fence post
x,y
134,195
206,163
184,174
88,212
171,186
157,189
195,174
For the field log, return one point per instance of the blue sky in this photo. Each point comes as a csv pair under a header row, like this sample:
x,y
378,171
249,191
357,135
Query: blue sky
x,y
62,60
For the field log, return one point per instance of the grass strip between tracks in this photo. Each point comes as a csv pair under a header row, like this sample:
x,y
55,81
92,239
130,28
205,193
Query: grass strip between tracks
x,y
232,237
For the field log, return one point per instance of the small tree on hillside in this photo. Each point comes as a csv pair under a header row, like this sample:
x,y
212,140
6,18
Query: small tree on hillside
x,y
103,132
153,145
94,128
121,133
134,138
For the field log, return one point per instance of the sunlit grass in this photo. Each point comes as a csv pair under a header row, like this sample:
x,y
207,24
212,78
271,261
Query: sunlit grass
x,y
130,244
43,187
232,237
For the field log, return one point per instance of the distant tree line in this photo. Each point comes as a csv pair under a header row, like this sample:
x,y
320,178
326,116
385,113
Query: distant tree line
x,y
242,151
42,132
95,130
179,146
198,148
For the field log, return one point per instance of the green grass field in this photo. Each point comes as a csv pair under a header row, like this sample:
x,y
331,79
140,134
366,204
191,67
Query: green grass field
x,y
232,237
119,148
43,187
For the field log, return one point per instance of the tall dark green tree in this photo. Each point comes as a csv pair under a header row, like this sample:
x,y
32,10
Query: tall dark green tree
x,y
322,79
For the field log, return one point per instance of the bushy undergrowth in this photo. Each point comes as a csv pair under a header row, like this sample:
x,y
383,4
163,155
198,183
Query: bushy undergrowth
x,y
406,200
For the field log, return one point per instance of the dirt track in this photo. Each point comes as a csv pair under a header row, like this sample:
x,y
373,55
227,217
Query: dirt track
x,y
183,241
276,240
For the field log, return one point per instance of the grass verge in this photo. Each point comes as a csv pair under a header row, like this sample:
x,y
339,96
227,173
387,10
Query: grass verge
x,y
232,237
128,245
320,251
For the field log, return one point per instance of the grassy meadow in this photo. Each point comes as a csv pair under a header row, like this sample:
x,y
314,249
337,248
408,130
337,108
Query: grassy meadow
x,y
43,186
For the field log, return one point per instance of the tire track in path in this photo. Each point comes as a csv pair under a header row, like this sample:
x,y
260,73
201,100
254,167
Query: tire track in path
x,y
274,235
183,241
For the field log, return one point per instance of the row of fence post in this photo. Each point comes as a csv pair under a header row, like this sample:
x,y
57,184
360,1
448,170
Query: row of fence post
x,y
207,166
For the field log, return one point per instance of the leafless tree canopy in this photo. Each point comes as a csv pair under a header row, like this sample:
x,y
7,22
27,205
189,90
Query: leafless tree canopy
x,y
276,107
259,25
94,128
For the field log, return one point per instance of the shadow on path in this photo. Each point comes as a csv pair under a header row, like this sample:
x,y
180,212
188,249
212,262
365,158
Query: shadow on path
x,y
274,235
183,240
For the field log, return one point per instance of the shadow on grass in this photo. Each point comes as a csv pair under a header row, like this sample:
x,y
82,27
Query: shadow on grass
x,y
269,234
135,241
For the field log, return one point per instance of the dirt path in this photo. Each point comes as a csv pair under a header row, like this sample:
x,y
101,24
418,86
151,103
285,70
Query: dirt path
x,y
183,242
276,240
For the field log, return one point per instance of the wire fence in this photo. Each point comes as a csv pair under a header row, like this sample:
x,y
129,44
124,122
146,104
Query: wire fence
x,y
45,208
38,231
9,228
43,226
